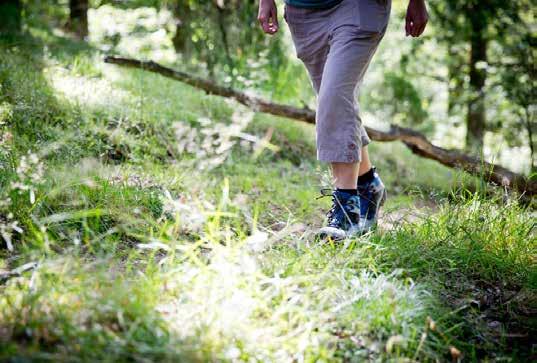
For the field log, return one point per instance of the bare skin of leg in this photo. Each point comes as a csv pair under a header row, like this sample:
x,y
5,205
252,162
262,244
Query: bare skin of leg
x,y
346,174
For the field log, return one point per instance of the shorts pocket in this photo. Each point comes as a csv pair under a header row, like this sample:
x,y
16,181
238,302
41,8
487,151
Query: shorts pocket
x,y
298,25
373,15
308,31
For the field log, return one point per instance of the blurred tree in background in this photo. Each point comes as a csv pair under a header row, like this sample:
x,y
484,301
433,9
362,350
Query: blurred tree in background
x,y
519,80
10,16
78,17
221,37
224,34
477,33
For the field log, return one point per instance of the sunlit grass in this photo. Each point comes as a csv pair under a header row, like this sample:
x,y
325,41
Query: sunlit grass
x,y
92,92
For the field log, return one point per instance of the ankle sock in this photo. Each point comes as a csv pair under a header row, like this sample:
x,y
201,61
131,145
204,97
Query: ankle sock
x,y
348,191
367,177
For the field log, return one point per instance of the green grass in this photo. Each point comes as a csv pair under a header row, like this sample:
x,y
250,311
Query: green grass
x,y
145,249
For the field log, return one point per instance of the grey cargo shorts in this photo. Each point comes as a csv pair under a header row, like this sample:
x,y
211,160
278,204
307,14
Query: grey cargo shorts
x,y
336,46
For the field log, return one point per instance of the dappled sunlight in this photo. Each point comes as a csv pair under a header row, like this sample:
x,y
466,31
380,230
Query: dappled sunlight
x,y
137,32
232,305
87,91
515,157
213,142
227,301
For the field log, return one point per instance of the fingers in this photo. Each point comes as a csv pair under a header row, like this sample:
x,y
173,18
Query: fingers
x,y
274,17
416,18
269,20
408,26
422,28
415,28
419,28
264,22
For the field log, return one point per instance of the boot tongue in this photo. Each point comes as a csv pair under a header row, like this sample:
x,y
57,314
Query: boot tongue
x,y
347,201
345,209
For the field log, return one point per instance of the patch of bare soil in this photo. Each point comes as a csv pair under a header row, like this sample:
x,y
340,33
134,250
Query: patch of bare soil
x,y
391,218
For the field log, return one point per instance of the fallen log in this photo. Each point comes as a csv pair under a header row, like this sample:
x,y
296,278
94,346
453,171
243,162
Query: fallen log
x,y
414,140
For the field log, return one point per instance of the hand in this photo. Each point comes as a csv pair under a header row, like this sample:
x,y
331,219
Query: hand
x,y
268,16
416,18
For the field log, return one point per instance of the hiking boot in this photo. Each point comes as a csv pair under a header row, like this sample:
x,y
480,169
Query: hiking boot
x,y
372,197
343,217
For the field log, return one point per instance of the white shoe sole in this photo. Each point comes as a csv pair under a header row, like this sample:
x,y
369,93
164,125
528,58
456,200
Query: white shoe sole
x,y
338,234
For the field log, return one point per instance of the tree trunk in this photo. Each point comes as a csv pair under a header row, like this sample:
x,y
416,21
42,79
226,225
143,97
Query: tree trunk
x,y
223,33
180,39
530,125
10,16
78,17
476,119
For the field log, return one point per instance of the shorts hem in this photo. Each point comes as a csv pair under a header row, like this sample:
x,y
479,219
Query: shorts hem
x,y
339,157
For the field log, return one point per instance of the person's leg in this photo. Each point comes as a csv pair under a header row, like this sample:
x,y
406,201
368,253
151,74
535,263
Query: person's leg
x,y
310,31
365,164
319,36
339,131
341,137
345,175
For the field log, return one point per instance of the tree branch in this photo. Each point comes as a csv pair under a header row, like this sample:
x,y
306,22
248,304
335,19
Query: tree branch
x,y
414,140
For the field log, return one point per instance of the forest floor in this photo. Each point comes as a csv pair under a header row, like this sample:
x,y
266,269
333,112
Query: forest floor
x,y
148,221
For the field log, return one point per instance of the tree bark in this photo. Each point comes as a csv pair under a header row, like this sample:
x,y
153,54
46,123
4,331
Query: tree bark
x,y
180,39
223,33
530,125
414,140
476,119
78,17
10,16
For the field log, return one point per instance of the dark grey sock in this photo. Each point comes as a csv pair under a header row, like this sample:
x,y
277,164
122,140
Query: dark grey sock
x,y
367,177
348,191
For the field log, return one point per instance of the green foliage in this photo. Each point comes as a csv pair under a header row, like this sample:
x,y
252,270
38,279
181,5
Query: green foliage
x,y
467,251
30,106
501,32
458,21
520,85
406,108
226,38
473,238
